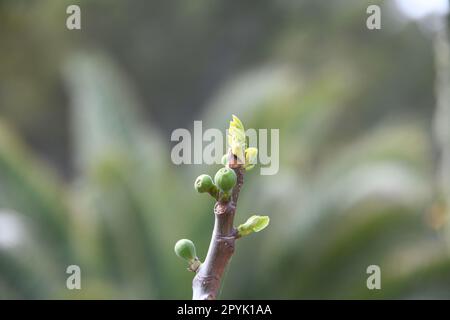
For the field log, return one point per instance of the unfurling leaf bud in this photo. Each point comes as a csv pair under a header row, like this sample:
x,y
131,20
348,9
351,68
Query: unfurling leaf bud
x,y
251,156
225,179
203,183
236,138
225,160
253,224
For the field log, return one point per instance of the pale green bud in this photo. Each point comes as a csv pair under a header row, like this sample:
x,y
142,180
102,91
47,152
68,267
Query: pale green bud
x,y
253,224
225,160
236,138
251,157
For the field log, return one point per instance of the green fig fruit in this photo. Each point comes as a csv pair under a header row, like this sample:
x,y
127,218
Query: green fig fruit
x,y
185,249
203,183
225,179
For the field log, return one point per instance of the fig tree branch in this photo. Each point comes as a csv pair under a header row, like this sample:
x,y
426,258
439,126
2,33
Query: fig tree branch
x,y
225,190
207,281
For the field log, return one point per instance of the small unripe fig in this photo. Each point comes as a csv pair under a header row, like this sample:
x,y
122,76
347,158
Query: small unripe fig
x,y
203,183
225,179
185,249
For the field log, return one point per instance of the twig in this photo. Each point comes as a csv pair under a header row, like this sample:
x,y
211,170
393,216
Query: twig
x,y
206,283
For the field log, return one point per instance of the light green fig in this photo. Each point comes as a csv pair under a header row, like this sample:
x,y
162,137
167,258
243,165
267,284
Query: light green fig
x,y
185,249
225,179
203,183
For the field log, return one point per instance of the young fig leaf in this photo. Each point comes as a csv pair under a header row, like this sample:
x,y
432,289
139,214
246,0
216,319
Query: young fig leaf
x,y
253,224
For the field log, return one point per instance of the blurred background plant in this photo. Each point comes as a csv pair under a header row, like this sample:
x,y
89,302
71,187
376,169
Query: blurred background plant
x,y
85,123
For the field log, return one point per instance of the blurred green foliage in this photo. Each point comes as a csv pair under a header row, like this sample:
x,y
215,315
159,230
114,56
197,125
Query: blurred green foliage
x,y
85,170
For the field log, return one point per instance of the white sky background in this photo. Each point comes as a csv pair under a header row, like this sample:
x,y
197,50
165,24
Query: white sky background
x,y
11,229
418,9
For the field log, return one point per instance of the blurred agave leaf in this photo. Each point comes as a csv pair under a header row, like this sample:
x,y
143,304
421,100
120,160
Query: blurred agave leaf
x,y
105,113
426,281
124,179
323,182
27,186
245,93
28,266
400,142
331,261
378,164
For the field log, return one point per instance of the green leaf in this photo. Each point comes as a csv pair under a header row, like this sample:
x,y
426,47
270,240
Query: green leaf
x,y
253,224
236,138
251,156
